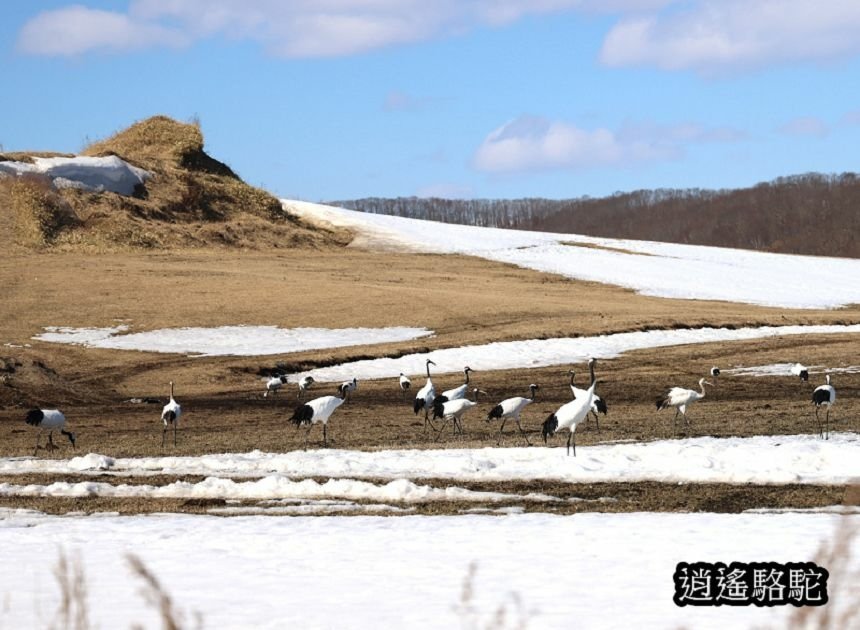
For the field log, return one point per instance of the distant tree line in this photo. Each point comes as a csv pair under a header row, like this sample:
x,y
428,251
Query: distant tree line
x,y
802,214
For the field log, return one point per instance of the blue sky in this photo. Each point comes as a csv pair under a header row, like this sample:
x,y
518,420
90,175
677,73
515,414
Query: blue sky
x,y
337,99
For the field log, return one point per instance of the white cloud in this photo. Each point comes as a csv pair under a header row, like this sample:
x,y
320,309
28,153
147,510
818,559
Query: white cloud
x,y
715,36
805,126
295,28
76,30
531,143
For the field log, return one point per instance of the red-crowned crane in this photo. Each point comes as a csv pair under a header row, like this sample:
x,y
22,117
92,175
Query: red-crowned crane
x,y
347,387
170,416
453,410
598,405
49,419
801,372
273,385
512,408
569,415
457,392
715,374
317,410
405,384
304,385
680,398
425,397
824,395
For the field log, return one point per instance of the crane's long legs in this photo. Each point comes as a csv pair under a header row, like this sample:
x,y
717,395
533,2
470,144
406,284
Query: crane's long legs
x,y
569,438
523,433
163,435
325,435
675,421
174,433
439,432
38,436
818,423
502,428
827,425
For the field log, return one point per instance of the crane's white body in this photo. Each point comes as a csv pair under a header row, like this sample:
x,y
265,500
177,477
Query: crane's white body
x,y
801,371
323,407
50,420
824,396
170,416
425,397
317,411
569,415
174,407
405,383
347,387
274,384
304,385
512,408
680,398
453,410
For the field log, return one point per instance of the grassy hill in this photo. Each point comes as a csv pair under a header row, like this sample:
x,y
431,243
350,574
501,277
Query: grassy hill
x,y
191,200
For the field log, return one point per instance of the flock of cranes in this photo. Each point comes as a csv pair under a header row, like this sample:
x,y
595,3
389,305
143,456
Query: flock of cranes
x,y
451,405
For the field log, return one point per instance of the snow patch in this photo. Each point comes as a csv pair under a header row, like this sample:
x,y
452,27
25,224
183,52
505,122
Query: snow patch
x,y
784,369
229,340
534,353
96,174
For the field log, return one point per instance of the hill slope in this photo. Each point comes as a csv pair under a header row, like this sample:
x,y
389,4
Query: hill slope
x,y
189,200
805,214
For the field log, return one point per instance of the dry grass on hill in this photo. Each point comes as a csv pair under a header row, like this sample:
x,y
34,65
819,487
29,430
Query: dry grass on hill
x,y
191,200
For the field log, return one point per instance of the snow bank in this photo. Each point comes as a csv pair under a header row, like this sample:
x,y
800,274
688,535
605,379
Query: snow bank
x,y
229,340
761,459
784,369
534,353
89,173
584,571
660,269
269,487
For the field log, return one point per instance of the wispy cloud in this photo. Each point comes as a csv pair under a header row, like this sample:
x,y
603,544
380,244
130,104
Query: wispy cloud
x,y
805,126
445,191
396,101
76,29
851,118
532,143
712,37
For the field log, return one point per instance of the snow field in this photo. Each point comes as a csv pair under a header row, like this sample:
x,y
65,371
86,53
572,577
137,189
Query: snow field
x,y
586,571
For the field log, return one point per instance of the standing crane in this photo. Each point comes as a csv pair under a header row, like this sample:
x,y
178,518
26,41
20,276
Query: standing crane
x,y
316,411
170,416
425,397
824,395
680,398
512,408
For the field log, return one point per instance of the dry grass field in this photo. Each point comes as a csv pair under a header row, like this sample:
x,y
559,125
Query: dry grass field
x,y
464,300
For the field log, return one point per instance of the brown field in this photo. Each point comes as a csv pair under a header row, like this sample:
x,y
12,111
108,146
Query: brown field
x,y
464,300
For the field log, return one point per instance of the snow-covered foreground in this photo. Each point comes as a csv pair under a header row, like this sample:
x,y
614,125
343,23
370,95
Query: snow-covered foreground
x,y
658,269
583,571
760,459
533,353
89,173
229,340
